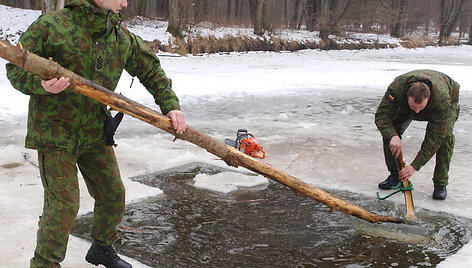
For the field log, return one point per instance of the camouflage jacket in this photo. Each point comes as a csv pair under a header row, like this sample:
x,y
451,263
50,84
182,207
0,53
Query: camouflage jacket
x,y
440,112
91,42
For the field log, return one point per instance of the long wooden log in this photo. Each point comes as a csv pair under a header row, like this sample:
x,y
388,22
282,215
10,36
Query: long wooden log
x,y
48,69
410,207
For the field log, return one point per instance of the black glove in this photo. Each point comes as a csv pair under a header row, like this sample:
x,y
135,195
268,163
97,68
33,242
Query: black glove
x,y
111,124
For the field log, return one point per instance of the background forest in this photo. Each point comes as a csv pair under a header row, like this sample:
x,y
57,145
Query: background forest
x,y
434,22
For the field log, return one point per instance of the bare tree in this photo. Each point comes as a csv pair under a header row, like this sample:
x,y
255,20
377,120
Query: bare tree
x,y
398,10
427,18
450,11
267,11
51,5
255,7
367,14
311,10
60,4
399,18
141,7
285,13
261,15
177,17
463,24
239,10
47,6
470,22
470,32
331,11
295,21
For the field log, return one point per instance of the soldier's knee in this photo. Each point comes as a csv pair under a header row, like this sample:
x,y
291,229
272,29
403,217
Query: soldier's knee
x,y
449,140
72,201
118,194
71,208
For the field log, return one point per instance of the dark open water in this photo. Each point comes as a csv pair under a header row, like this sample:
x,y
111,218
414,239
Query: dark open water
x,y
273,227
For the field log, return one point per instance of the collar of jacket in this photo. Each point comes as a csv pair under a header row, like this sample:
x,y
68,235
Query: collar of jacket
x,y
98,21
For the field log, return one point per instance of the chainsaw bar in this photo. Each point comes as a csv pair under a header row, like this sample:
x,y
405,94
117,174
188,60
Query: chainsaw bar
x,y
231,143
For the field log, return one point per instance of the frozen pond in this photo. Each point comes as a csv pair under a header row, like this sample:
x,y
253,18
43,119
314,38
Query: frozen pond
x,y
312,111
325,138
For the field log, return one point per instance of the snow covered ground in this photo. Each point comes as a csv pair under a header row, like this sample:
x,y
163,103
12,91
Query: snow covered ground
x,y
151,30
205,80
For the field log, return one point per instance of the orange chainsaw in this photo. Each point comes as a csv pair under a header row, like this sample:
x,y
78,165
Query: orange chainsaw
x,y
246,143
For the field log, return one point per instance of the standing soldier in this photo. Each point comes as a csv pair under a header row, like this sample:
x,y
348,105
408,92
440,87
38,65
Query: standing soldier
x,y
422,95
67,129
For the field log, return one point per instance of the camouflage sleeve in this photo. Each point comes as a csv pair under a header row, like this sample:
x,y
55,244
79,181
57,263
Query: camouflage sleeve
x,y
436,131
27,83
455,91
144,64
385,112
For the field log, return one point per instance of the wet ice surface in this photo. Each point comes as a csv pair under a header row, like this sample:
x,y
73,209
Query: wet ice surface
x,y
273,226
312,111
325,138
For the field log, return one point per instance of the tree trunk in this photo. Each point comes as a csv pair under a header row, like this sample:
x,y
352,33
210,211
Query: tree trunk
x,y
47,6
51,5
470,30
230,11
256,8
450,11
311,15
463,24
365,17
141,7
324,18
330,16
238,10
267,11
27,5
399,12
60,4
285,13
48,69
296,14
163,9
427,18
177,18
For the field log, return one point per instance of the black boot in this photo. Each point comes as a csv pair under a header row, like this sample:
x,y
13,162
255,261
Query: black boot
x,y
98,254
391,181
439,192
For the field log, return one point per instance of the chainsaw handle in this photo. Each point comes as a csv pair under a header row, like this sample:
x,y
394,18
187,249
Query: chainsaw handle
x,y
241,130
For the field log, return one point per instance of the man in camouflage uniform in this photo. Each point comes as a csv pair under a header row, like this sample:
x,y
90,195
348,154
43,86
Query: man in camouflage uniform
x,y
67,129
422,95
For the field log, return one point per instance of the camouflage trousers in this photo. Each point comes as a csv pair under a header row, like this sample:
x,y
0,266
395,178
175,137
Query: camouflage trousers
x,y
58,171
443,155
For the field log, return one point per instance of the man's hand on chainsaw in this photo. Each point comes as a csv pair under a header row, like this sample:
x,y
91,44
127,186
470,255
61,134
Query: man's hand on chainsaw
x,y
406,173
178,120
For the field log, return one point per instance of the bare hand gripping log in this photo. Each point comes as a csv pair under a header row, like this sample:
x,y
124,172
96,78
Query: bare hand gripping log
x,y
48,69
